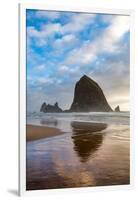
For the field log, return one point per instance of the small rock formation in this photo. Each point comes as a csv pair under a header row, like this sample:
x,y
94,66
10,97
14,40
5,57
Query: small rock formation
x,y
43,107
89,97
47,108
117,109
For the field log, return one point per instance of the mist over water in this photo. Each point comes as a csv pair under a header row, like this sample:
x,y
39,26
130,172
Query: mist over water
x,y
51,119
79,158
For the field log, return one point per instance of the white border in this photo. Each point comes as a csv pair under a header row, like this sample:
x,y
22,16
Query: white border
x,y
22,101
22,96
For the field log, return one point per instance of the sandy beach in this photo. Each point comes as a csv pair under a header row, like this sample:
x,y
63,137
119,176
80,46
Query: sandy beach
x,y
38,132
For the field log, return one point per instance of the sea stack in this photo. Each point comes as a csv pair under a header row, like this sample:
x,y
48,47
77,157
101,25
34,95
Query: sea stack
x,y
117,109
43,107
89,97
47,108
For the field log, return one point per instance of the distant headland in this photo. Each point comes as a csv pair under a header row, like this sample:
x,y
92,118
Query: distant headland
x,y
88,97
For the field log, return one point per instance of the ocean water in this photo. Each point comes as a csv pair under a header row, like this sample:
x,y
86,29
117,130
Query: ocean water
x,y
79,158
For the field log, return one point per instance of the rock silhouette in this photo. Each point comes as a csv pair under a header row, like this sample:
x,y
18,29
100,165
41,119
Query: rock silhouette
x,y
117,109
88,96
48,108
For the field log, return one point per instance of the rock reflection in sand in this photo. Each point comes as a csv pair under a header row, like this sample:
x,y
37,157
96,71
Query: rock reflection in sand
x,y
49,121
86,143
87,138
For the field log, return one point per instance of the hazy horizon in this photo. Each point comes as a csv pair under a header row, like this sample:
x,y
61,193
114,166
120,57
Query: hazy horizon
x,y
63,46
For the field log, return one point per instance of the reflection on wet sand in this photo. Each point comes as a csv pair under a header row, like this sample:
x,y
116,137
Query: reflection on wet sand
x,y
49,122
86,143
79,158
87,138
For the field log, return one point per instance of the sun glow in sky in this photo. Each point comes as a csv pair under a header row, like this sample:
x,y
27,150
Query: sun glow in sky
x,y
63,46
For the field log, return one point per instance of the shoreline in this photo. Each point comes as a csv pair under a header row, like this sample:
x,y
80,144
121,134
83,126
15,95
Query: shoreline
x,y
36,132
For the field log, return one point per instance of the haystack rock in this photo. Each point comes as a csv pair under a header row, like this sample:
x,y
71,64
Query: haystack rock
x,y
89,97
117,109
47,108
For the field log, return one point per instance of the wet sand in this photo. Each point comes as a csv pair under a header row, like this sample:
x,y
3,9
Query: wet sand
x,y
79,159
38,132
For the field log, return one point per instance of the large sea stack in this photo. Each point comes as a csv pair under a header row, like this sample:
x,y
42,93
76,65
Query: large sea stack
x,y
89,97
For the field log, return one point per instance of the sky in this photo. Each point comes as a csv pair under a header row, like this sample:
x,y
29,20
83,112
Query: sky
x,y
63,46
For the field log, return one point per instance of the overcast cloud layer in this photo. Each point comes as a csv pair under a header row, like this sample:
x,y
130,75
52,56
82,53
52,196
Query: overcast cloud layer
x,y
63,46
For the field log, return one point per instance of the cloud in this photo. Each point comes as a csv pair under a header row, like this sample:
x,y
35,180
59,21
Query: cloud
x,y
40,67
83,55
76,24
42,35
105,42
66,41
47,14
119,26
43,80
112,74
63,69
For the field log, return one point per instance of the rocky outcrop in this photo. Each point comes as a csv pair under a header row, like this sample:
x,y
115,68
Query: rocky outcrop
x,y
117,109
43,107
89,97
47,108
